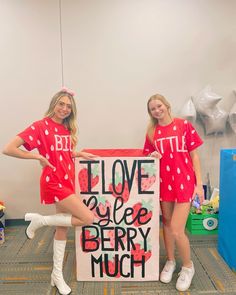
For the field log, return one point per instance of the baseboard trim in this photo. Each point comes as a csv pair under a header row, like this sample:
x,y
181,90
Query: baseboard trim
x,y
15,222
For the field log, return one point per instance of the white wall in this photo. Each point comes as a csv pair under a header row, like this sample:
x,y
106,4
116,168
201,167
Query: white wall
x,y
116,54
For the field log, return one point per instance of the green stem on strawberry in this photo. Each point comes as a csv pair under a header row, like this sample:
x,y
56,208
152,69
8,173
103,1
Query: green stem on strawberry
x,y
148,245
147,204
95,170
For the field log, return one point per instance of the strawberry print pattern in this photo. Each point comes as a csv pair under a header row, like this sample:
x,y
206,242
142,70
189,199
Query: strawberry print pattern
x,y
89,244
139,253
111,268
121,190
150,170
53,141
111,235
102,207
83,178
143,219
175,142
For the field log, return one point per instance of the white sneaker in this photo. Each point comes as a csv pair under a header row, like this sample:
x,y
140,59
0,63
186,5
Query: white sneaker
x,y
185,278
167,272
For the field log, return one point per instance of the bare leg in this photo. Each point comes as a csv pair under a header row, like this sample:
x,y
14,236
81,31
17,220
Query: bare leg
x,y
167,210
70,211
81,215
73,205
75,213
170,265
178,222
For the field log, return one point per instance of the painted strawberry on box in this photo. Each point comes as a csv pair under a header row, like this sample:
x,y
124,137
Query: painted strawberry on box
x,y
111,235
150,170
89,245
122,189
112,268
139,252
103,205
142,219
83,178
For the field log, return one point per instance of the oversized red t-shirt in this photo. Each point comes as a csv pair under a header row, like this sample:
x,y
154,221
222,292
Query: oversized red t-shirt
x,y
175,142
53,141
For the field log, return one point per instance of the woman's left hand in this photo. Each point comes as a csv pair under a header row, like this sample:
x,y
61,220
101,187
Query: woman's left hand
x,y
85,155
200,192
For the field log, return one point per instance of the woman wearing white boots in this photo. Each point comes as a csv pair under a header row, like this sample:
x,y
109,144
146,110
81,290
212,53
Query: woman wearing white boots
x,y
55,138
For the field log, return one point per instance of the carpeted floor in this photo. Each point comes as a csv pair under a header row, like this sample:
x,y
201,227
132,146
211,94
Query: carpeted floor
x,y
25,267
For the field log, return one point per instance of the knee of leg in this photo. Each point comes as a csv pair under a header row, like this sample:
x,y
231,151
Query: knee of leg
x,y
89,219
178,234
166,222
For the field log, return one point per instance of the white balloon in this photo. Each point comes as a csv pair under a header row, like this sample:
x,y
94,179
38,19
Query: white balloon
x,y
188,111
206,100
215,122
232,118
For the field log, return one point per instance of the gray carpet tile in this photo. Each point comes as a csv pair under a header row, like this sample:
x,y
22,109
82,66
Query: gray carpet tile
x,y
25,268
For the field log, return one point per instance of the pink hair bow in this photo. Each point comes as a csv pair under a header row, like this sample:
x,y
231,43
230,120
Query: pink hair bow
x,y
65,89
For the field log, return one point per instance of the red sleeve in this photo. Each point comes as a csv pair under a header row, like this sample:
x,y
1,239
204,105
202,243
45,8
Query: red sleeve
x,y
148,147
31,136
193,140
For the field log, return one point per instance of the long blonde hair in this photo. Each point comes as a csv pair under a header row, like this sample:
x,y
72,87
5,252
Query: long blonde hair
x,y
70,122
153,121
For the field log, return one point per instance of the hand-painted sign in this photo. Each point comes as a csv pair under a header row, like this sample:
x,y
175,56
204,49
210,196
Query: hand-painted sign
x,y
123,241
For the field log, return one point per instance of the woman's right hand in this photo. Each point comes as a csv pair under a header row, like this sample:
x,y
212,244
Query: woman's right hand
x,y
156,155
13,149
44,162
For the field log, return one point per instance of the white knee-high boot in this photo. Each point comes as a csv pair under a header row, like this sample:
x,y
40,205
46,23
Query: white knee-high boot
x,y
57,275
38,221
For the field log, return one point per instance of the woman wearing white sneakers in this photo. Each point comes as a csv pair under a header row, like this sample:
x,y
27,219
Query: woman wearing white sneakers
x,y
174,141
55,138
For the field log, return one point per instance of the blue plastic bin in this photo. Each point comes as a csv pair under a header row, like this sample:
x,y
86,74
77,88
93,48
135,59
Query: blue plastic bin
x,y
227,209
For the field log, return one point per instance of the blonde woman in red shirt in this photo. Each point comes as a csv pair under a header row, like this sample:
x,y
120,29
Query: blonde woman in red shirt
x,y
174,141
55,138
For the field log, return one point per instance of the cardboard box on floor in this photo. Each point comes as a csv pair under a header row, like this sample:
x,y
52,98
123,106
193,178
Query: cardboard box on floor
x,y
121,187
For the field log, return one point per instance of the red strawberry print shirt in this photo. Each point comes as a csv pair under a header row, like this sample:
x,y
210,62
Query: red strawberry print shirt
x,y
175,142
53,141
